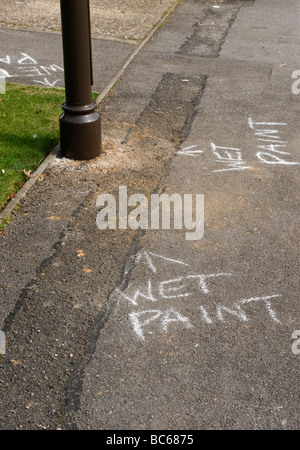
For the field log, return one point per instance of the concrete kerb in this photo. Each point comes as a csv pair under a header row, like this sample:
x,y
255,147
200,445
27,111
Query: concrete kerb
x,y
13,203
7,211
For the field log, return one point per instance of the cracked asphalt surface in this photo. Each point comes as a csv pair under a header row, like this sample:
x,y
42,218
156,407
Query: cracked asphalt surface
x,y
144,329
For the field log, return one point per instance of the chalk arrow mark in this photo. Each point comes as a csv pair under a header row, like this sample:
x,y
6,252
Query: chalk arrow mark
x,y
149,258
46,82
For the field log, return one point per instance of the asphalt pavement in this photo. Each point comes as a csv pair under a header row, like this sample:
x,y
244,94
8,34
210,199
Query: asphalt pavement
x,y
187,328
24,59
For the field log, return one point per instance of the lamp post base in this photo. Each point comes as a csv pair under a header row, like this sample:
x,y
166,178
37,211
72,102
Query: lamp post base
x,y
80,132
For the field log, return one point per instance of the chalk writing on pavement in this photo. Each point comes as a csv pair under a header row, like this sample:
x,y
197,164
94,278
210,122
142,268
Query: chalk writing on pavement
x,y
271,149
25,67
157,303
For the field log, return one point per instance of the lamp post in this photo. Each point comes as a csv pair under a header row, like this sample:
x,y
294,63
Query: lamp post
x,y
80,123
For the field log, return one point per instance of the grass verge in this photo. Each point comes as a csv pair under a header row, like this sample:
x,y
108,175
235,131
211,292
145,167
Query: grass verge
x,y
29,129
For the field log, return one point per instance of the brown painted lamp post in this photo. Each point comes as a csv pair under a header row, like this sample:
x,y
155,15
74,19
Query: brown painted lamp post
x,y
80,123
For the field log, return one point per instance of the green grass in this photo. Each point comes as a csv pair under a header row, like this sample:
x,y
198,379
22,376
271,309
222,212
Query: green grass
x,y
29,130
